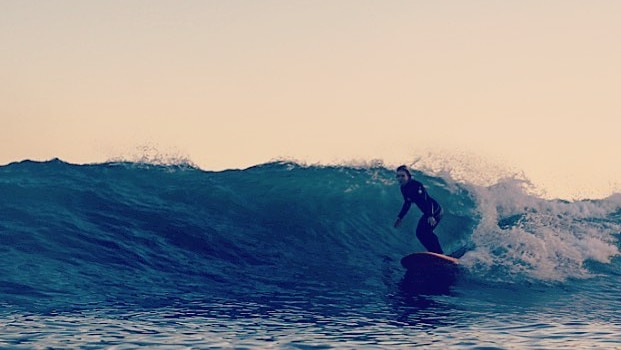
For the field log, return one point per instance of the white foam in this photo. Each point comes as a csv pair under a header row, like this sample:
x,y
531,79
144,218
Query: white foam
x,y
152,155
523,236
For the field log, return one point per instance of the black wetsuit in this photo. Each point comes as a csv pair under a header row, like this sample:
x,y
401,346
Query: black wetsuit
x,y
413,191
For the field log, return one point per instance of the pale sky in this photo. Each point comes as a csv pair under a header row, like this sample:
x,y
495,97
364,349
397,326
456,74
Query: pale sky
x,y
530,85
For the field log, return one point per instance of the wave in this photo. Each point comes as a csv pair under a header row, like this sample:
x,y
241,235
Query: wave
x,y
122,230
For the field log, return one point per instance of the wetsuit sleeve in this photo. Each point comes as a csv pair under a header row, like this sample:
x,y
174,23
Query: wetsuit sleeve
x,y
406,206
404,209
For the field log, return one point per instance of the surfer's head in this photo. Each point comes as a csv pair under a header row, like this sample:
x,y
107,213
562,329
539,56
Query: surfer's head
x,y
403,175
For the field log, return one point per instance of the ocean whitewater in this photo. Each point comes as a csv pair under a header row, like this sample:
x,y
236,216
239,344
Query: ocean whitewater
x,y
282,255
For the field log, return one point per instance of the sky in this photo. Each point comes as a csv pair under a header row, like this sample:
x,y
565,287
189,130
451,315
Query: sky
x,y
529,86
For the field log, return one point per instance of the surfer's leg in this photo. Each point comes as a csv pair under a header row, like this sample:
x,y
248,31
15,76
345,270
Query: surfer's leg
x,y
424,233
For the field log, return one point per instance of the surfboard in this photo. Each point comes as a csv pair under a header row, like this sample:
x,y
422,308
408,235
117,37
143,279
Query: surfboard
x,y
429,273
428,261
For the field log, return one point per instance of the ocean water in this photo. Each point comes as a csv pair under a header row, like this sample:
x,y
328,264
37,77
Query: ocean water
x,y
287,256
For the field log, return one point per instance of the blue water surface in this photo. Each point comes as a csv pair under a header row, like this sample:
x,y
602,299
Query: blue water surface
x,y
281,255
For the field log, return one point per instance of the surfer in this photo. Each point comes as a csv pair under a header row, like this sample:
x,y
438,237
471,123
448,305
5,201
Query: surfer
x,y
414,191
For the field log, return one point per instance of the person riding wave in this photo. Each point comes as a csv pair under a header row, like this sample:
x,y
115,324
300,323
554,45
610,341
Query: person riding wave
x,y
414,192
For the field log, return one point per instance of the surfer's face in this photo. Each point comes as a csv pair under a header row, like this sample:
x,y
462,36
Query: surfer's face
x,y
402,177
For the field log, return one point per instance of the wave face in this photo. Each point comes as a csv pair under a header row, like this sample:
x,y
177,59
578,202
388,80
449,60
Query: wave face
x,y
129,233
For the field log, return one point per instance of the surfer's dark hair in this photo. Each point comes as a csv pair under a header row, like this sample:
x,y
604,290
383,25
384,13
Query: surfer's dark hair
x,y
405,169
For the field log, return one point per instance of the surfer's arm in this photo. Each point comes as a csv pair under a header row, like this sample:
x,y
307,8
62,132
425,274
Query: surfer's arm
x,y
407,203
404,209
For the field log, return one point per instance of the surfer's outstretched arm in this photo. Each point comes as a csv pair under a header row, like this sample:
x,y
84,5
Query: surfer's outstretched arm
x,y
397,223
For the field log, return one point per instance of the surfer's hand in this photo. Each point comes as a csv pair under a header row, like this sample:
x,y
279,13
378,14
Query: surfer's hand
x,y
431,221
397,223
